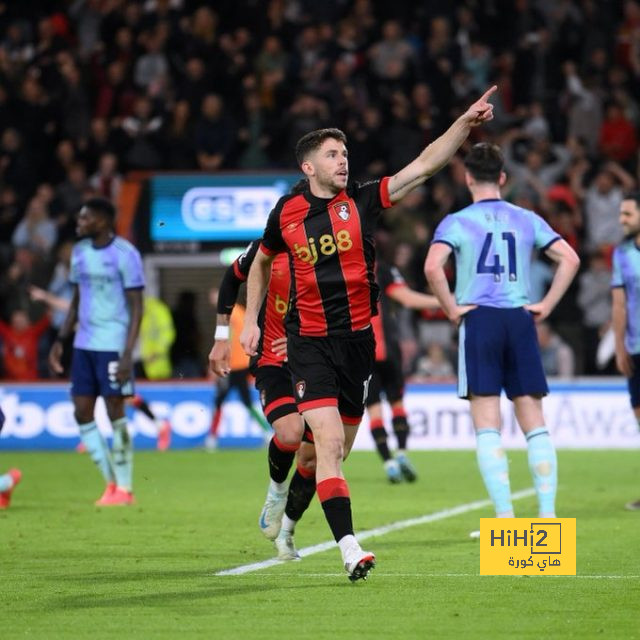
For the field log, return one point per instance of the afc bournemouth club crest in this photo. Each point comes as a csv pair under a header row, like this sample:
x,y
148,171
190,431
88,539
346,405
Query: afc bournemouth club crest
x,y
342,210
300,388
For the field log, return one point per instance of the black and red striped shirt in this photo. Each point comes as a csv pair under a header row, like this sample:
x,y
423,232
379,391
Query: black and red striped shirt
x,y
274,307
331,252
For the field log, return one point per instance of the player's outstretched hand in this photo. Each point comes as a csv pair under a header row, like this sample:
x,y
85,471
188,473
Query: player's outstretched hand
x,y
55,358
481,110
219,358
249,339
279,346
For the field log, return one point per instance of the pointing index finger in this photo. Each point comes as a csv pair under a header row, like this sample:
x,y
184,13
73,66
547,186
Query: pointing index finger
x,y
489,92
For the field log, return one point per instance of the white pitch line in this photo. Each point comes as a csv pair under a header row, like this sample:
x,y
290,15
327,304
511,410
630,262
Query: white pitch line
x,y
378,531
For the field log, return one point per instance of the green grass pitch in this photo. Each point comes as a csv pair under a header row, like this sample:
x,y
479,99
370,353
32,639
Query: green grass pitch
x,y
71,570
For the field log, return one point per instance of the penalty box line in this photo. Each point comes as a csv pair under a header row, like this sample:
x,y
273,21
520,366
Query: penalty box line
x,y
378,531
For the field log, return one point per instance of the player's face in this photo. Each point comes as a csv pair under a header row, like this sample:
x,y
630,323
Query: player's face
x,y
630,217
331,165
88,224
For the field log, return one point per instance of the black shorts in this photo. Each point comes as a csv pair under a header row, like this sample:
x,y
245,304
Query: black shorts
x,y
334,372
276,392
387,378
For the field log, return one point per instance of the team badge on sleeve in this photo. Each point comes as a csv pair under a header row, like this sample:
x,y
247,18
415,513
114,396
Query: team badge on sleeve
x,y
301,387
342,210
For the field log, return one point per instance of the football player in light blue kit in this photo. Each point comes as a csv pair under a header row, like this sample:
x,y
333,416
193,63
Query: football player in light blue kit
x,y
625,288
492,241
107,276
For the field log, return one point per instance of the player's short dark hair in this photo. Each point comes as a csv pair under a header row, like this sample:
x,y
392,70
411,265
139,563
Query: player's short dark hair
x,y
485,162
313,140
103,207
633,195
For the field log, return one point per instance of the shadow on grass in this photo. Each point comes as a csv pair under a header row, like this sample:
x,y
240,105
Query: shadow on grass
x,y
221,589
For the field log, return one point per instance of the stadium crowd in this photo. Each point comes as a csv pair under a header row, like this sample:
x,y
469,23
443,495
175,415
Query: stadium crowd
x,y
93,89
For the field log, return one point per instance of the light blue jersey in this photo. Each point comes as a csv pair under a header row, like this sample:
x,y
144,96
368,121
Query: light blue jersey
x,y
492,242
103,275
626,273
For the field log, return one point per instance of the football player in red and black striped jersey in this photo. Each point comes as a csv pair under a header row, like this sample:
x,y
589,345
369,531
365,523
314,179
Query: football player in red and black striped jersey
x,y
284,505
327,233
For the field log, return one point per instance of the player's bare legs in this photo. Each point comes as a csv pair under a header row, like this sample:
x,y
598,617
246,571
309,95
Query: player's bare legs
x,y
379,435
301,491
333,442
543,462
401,430
492,460
121,451
282,450
93,441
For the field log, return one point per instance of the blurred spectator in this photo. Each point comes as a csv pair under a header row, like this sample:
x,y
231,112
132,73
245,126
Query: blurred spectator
x,y
594,298
15,163
214,135
193,84
434,363
442,58
74,100
115,94
403,137
106,181
367,152
142,129
392,57
64,157
541,165
254,135
557,356
271,66
584,108
36,231
9,212
177,139
15,279
88,16
307,112
100,141
18,42
157,334
618,141
20,346
601,201
152,68
71,193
